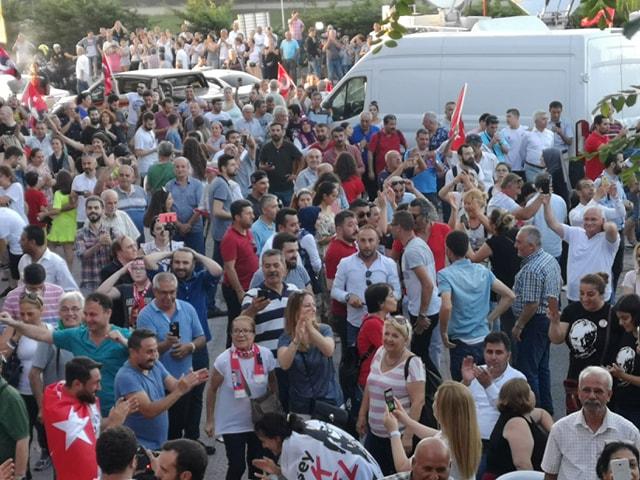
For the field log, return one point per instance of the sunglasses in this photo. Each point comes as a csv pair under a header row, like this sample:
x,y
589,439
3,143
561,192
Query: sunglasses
x,y
367,276
397,182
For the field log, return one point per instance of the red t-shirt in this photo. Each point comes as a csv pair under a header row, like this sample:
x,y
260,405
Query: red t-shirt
x,y
593,167
35,200
336,251
353,188
369,340
381,143
436,243
239,247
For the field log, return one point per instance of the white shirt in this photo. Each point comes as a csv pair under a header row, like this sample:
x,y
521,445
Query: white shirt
x,y
145,140
353,277
82,183
16,193
551,242
83,68
45,144
487,165
576,215
514,137
573,448
11,226
587,255
183,59
121,223
56,268
503,201
533,143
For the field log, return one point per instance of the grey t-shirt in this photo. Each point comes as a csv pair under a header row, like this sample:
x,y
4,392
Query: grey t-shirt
x,y
52,365
298,276
417,253
221,191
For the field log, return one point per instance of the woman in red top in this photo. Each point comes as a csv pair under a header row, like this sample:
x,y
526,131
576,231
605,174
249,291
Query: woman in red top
x,y
381,302
346,170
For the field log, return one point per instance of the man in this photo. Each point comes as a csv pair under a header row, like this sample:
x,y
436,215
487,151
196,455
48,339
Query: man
x,y
308,176
259,188
40,139
264,227
248,125
132,198
93,245
485,382
341,145
536,140
35,250
551,242
312,50
181,459
592,248
116,453
83,70
437,134
427,166
161,172
134,104
187,193
419,272
356,272
91,128
245,155
146,380
431,460
118,222
146,144
162,118
576,441
282,161
465,288
84,184
538,280
220,202
510,189
514,133
589,196
323,142
289,48
598,138
492,140
386,139
178,329
195,115
217,114
14,428
296,273
316,113
563,139
361,137
124,249
96,338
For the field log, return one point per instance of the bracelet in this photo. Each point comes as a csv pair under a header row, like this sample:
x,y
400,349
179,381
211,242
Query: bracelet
x,y
193,347
395,433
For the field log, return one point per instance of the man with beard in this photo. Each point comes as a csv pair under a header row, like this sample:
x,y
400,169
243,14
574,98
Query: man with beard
x,y
92,128
145,379
296,273
356,272
93,245
259,188
323,142
341,145
576,441
245,155
389,138
96,338
83,185
220,200
145,144
282,161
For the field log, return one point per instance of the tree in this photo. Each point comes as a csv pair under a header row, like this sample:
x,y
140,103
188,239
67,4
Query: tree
x,y
205,15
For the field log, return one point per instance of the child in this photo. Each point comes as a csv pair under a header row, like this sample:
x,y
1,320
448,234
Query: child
x,y
35,199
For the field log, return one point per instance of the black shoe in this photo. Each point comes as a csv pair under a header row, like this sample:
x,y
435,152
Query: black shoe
x,y
216,312
211,450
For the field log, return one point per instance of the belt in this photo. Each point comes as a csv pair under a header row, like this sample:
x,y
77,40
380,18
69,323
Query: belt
x,y
535,166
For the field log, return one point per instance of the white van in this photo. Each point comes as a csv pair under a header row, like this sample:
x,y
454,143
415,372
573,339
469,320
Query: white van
x,y
503,70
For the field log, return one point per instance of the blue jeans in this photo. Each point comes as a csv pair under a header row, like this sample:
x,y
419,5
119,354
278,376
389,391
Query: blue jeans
x,y
352,334
315,66
463,350
533,359
532,172
334,69
81,86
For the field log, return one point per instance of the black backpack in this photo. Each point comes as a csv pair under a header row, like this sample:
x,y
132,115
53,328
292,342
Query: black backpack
x,y
432,381
306,263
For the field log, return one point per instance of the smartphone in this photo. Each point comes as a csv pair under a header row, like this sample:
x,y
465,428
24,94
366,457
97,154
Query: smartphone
x,y
170,217
143,462
620,469
388,399
174,329
558,124
545,186
263,292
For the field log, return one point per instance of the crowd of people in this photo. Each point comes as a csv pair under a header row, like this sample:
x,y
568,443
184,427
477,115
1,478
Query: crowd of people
x,y
433,273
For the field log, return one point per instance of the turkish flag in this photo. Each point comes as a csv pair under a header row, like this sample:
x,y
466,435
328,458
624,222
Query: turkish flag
x,y
7,67
72,430
32,96
108,76
608,13
285,81
456,120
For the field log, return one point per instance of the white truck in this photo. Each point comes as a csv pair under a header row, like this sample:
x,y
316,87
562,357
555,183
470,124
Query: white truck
x,y
525,70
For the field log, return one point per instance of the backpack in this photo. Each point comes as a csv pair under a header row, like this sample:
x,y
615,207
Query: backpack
x,y
306,263
432,381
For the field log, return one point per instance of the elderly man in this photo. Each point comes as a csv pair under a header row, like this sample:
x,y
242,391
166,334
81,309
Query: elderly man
x,y
538,280
590,196
308,176
592,248
116,220
534,142
505,199
431,460
437,134
132,198
576,441
40,139
248,125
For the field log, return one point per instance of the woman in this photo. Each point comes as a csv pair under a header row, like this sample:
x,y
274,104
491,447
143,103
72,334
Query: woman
x,y
240,373
193,152
587,329
502,170
631,281
161,202
37,163
520,435
63,212
253,58
455,411
347,172
393,367
471,219
303,198
304,137
325,198
305,352
60,159
625,368
216,141
381,303
374,110
108,127
297,443
230,105
618,451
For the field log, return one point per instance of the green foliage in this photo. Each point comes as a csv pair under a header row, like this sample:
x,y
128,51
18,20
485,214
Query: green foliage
x,y
495,9
65,21
357,18
205,15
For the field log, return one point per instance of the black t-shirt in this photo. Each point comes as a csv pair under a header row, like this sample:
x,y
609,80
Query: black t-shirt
x,y
587,336
282,159
626,395
128,307
87,134
505,261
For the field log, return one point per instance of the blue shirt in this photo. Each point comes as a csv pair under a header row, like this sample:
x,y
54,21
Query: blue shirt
x,y
110,354
194,291
156,320
470,286
358,135
185,199
496,149
262,232
289,49
150,432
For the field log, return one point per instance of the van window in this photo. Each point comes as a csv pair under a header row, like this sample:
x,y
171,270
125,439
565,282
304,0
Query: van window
x,y
179,83
349,100
129,84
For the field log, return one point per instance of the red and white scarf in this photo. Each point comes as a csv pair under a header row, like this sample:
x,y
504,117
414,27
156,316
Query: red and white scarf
x,y
237,378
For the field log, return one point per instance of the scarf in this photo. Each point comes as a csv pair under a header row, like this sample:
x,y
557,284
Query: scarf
x,y
240,387
138,303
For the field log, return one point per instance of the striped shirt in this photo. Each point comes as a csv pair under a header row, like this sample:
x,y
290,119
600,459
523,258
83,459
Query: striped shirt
x,y
270,320
379,381
538,279
50,295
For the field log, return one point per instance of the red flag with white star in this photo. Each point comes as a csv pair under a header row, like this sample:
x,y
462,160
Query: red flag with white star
x,y
72,428
108,75
457,125
285,81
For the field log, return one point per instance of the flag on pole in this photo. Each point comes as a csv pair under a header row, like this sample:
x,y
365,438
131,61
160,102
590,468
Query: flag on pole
x,y
7,67
457,125
32,97
604,15
285,81
108,76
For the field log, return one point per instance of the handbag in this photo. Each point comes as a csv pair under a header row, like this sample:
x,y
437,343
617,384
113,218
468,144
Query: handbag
x,y
12,368
260,406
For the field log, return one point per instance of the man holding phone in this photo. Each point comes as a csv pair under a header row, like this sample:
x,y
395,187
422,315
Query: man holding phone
x,y
506,199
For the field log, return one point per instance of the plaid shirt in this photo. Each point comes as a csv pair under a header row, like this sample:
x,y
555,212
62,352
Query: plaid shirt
x,y
91,266
538,279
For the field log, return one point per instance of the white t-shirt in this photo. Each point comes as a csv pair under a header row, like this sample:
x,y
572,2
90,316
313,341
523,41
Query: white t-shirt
x,y
417,253
514,137
26,353
233,415
82,183
145,140
632,281
587,255
11,226
503,201
83,69
16,193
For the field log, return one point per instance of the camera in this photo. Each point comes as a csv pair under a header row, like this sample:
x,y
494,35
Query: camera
x,y
143,465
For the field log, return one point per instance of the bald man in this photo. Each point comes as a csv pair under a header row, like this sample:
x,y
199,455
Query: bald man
x,y
119,222
430,461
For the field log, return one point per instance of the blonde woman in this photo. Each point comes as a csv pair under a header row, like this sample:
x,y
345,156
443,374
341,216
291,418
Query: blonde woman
x,y
631,282
393,367
472,219
455,411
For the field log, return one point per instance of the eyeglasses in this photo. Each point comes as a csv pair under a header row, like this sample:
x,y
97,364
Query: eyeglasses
x,y
397,182
242,331
70,309
367,276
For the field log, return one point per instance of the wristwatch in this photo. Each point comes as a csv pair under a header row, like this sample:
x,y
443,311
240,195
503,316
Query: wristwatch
x,y
347,297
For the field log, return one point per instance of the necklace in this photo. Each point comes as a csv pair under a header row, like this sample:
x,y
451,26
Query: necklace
x,y
388,363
